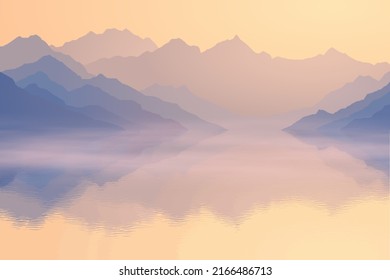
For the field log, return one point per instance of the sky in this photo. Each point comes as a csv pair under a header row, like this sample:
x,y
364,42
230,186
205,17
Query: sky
x,y
291,29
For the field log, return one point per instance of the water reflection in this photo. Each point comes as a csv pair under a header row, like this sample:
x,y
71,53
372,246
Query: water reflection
x,y
230,174
51,170
233,181
372,149
285,230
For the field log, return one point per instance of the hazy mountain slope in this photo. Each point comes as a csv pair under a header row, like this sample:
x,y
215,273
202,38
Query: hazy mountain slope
x,y
351,92
332,124
154,104
127,110
57,71
26,50
190,102
23,112
88,98
61,75
379,123
350,114
231,75
111,43
92,111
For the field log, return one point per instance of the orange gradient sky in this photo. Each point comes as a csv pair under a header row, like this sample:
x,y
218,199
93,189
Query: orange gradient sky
x,y
293,29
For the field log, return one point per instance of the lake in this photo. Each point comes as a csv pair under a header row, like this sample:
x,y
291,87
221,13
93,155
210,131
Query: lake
x,y
252,192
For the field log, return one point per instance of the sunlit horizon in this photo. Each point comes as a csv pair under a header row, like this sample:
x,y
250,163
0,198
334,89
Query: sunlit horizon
x,y
294,30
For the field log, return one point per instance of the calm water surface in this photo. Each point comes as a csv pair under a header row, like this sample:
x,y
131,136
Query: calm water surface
x,y
253,192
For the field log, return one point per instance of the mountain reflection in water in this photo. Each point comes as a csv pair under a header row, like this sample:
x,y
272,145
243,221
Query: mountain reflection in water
x,y
249,185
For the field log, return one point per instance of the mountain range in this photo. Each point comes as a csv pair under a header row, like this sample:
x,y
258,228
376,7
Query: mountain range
x,y
124,101
233,76
361,129
351,92
23,112
177,89
183,97
26,50
378,123
362,117
187,87
92,47
230,76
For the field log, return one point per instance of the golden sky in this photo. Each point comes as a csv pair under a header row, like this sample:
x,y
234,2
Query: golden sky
x,y
287,28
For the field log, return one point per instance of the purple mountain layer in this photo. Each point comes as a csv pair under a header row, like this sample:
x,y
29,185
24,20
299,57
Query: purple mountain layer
x,y
111,43
233,76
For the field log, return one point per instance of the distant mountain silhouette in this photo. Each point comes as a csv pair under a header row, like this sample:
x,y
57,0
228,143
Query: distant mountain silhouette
x,y
101,114
99,105
57,71
92,111
361,129
324,123
155,105
236,53
309,124
233,76
112,91
43,81
26,113
35,90
190,102
379,123
90,95
361,109
26,50
351,92
111,43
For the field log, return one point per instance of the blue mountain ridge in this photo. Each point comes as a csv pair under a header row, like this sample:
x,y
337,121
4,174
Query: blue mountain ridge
x,y
93,101
62,76
324,123
38,112
92,111
23,112
379,123
26,50
361,129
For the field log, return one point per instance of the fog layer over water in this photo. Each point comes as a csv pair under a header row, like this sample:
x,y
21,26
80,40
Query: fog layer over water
x,y
253,191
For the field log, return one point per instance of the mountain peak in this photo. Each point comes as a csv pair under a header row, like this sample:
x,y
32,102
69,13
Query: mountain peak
x,y
111,43
48,59
90,33
116,31
22,50
100,76
323,113
334,52
177,42
56,70
28,42
177,46
32,38
237,38
237,41
234,45
35,38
